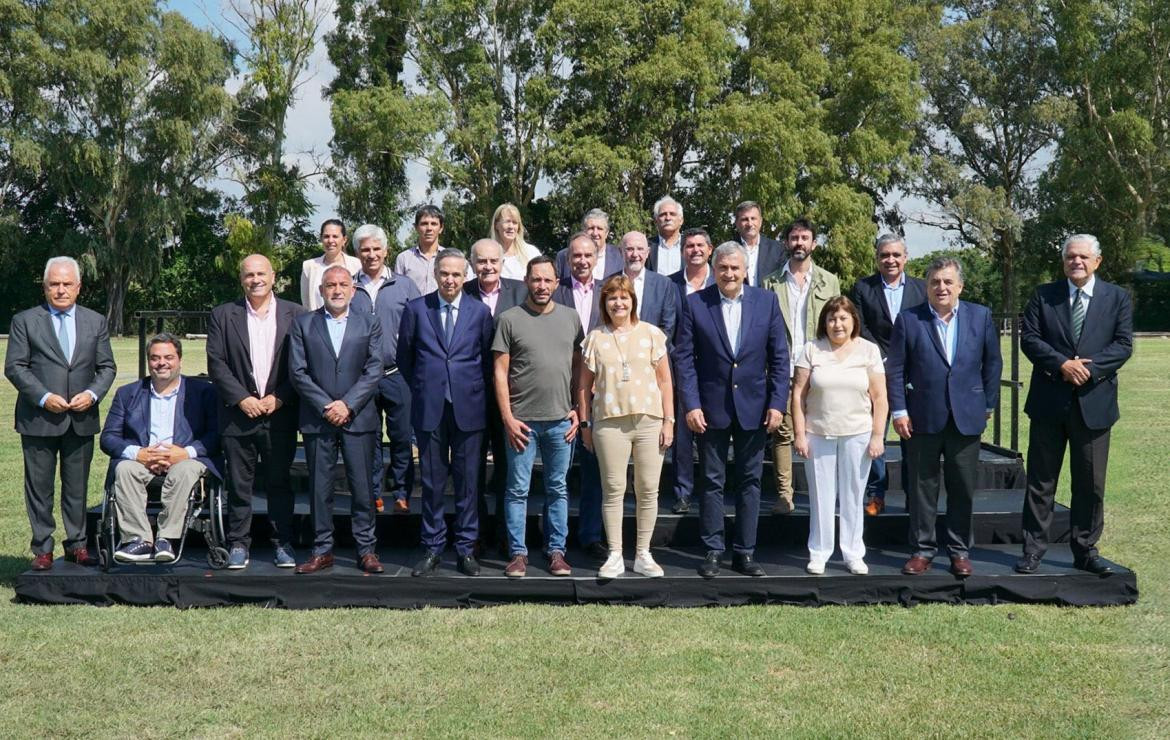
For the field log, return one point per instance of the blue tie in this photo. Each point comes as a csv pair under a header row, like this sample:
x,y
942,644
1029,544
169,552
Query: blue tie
x,y
448,323
63,336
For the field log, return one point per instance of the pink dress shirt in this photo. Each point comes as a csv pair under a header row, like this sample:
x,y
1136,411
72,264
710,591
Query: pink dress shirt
x,y
261,341
583,301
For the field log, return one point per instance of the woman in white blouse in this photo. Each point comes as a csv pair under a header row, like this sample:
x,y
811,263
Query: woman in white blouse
x,y
333,243
626,403
839,422
508,230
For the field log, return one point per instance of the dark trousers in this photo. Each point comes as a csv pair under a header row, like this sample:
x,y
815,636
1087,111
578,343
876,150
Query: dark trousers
x,y
40,472
589,508
682,454
357,451
449,451
879,480
494,438
960,467
271,453
748,446
393,399
1088,458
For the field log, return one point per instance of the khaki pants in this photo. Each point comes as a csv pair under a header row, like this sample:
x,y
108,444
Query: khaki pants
x,y
613,442
782,455
130,480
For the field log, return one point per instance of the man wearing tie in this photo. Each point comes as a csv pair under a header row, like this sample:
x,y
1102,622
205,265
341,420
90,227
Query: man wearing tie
x,y
732,361
335,357
942,376
444,352
1077,332
60,361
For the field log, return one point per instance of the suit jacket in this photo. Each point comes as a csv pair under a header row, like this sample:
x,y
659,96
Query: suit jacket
x,y
870,297
652,260
825,285
352,375
741,386
659,304
1106,339
680,282
435,368
196,422
920,381
770,260
229,364
512,293
36,365
564,296
615,262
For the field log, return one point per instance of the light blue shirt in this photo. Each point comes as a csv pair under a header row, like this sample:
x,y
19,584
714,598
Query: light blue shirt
x,y
70,315
454,310
732,317
893,294
948,332
162,422
336,329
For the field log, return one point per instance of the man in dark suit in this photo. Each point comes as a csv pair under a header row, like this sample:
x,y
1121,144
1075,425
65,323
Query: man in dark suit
x,y
664,251
162,425
335,358
657,295
247,360
765,255
1077,332
942,375
732,360
879,298
444,352
609,257
60,361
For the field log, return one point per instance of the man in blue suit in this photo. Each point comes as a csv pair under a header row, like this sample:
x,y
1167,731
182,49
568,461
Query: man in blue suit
x,y
765,255
444,352
165,425
942,374
1077,332
336,362
732,360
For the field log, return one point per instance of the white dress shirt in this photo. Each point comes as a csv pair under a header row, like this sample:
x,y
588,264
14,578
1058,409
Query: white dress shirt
x,y
261,341
732,309
798,310
639,288
669,259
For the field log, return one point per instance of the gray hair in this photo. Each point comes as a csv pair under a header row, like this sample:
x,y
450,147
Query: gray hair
x,y
478,242
887,239
595,214
1089,239
369,231
446,254
666,200
942,263
335,268
582,235
729,248
67,261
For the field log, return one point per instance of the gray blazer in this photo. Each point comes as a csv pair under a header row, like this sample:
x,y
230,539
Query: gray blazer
x,y
321,377
36,365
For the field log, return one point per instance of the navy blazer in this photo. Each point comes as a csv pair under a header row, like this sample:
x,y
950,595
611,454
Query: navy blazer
x,y
1106,339
920,381
196,422
512,293
740,387
770,260
564,296
352,375
434,368
869,296
659,304
615,262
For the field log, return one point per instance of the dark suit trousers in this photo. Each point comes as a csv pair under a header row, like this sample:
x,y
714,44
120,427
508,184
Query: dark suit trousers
x,y
960,467
494,436
357,451
270,453
748,445
40,472
1089,456
682,453
449,451
393,399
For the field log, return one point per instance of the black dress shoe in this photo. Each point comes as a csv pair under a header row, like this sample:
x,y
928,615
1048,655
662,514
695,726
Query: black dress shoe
x,y
682,507
597,551
468,565
710,566
1029,563
1095,565
747,565
427,566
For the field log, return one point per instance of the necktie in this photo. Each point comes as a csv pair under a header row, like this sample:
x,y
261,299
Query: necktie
x,y
63,336
1078,314
448,323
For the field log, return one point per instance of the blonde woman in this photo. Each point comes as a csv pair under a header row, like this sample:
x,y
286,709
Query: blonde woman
x,y
508,230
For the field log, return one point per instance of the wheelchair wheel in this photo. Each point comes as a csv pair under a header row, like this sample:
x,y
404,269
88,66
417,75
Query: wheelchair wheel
x,y
217,557
217,518
106,534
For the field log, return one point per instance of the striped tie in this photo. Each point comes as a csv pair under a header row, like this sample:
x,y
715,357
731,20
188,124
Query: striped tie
x,y
1078,315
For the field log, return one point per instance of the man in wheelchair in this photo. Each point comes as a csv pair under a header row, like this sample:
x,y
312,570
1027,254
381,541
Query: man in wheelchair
x,y
164,425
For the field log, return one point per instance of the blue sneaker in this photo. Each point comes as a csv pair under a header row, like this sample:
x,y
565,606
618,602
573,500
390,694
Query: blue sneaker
x,y
162,551
285,557
134,551
237,558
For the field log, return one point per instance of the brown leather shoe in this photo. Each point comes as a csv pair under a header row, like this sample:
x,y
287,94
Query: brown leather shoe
x,y
43,561
783,506
370,564
80,555
517,567
875,506
916,566
316,563
961,566
401,506
558,566
379,504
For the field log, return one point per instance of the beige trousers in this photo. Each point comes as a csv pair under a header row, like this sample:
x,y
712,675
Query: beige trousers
x,y
130,480
782,454
613,441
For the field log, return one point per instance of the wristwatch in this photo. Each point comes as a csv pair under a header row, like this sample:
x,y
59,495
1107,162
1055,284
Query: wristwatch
x,y
585,424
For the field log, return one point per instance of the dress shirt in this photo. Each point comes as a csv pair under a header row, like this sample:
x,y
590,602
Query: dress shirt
x,y
669,260
70,315
732,309
261,341
491,299
419,268
454,309
948,331
583,300
599,268
162,422
336,327
373,284
691,288
798,310
893,295
1087,290
639,288
753,262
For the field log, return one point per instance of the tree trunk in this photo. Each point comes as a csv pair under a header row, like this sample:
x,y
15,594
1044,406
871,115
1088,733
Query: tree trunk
x,y
115,281
1007,249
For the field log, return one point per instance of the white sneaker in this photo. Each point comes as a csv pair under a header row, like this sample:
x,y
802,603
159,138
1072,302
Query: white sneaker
x,y
644,565
815,568
857,567
614,566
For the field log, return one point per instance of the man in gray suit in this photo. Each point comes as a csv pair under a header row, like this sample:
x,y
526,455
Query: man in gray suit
x,y
60,361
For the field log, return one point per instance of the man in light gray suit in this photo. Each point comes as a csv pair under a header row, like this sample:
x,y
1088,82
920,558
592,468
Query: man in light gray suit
x,y
60,360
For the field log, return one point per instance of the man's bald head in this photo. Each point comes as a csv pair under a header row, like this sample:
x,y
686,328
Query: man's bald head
x,y
256,277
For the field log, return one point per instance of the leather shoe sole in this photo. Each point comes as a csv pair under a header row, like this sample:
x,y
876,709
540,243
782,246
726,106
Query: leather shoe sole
x,y
916,566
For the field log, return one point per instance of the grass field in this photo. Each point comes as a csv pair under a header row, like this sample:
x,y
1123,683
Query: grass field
x,y
598,671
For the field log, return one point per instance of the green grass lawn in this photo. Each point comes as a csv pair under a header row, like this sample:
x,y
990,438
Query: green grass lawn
x,y
603,671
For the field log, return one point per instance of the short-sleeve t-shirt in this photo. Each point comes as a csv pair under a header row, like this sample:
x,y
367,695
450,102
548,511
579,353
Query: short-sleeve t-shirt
x,y
541,346
642,347
838,402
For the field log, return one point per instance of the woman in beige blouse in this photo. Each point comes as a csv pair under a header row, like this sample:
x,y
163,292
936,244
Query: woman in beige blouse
x,y
333,253
508,230
839,422
626,403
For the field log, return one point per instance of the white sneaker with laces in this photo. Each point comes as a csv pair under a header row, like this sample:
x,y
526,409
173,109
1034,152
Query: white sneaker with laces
x,y
815,568
644,565
857,567
614,566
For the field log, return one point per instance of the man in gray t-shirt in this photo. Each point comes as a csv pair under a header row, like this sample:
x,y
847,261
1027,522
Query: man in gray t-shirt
x,y
538,351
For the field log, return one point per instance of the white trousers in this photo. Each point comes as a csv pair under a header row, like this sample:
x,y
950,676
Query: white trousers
x,y
840,467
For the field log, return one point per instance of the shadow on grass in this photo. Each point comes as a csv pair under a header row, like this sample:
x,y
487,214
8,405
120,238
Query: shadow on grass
x,y
10,567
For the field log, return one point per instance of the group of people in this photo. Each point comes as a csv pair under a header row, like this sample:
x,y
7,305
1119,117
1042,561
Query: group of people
x,y
602,353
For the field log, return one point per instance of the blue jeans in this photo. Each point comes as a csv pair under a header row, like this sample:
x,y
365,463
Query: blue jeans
x,y
556,453
589,510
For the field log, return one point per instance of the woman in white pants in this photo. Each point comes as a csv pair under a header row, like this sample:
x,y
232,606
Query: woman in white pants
x,y
839,422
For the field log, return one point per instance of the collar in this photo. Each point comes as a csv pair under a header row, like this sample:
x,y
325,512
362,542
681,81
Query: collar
x,y
641,275
498,288
268,306
364,279
168,396
676,244
1087,289
812,271
445,302
725,300
583,287
71,312
418,252
901,281
954,312
743,242
330,317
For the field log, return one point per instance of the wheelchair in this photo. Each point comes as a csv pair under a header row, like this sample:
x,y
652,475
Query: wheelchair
x,y
205,514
